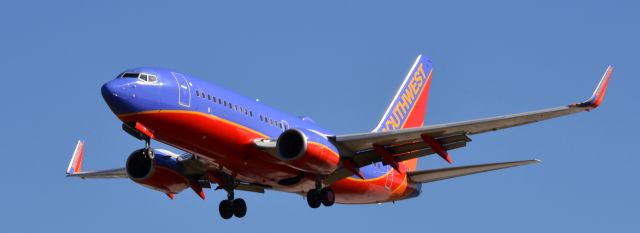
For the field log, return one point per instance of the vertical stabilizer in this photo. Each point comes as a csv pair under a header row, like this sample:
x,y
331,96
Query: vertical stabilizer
x,y
409,105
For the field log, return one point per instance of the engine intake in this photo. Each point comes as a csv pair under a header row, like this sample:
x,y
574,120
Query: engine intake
x,y
291,145
139,166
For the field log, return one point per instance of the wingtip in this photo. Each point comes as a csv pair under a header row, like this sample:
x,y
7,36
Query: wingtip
x,y
598,94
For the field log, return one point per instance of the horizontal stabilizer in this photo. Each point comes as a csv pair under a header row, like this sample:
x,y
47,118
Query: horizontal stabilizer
x,y
75,167
104,174
426,176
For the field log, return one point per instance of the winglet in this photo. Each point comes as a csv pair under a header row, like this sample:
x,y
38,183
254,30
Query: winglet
x,y
598,94
75,165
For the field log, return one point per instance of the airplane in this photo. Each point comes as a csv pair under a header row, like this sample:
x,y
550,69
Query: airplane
x,y
237,143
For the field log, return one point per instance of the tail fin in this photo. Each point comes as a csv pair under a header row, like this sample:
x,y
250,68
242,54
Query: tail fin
x,y
408,107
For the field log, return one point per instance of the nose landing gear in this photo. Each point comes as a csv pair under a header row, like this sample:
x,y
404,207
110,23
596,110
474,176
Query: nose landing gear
x,y
142,133
148,151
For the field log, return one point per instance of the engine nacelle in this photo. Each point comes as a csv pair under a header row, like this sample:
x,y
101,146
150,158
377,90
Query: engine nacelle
x,y
162,173
307,151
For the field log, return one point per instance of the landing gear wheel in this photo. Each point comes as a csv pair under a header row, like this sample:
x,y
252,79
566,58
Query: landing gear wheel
x,y
226,209
239,208
313,198
148,153
327,196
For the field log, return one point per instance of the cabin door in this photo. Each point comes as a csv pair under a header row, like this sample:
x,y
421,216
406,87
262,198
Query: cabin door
x,y
184,90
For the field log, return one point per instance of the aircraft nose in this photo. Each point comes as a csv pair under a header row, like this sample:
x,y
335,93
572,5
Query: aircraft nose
x,y
114,93
109,89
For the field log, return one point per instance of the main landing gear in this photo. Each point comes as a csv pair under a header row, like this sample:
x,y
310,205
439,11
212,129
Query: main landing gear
x,y
320,196
231,206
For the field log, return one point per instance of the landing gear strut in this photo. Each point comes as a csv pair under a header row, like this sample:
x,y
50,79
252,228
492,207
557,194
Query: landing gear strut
x,y
231,206
320,196
148,151
141,132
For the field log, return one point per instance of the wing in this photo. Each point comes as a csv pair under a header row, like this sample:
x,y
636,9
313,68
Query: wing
x,y
75,167
404,144
75,170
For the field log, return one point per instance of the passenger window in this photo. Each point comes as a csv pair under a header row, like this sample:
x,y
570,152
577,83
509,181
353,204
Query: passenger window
x,y
209,97
230,105
197,93
225,103
250,113
214,99
261,118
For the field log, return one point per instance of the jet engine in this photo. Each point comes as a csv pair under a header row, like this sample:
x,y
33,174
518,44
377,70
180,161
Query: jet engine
x,y
159,171
307,151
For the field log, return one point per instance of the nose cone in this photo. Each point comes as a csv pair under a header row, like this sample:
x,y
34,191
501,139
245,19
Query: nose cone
x,y
109,90
116,94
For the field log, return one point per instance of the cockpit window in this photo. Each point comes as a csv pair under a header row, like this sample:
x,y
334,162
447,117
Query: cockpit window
x,y
144,77
152,78
130,75
141,76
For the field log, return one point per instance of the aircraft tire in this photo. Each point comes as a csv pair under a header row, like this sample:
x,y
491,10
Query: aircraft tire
x,y
327,196
313,198
226,209
239,208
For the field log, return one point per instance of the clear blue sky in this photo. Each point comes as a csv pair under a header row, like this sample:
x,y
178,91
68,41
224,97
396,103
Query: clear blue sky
x,y
339,62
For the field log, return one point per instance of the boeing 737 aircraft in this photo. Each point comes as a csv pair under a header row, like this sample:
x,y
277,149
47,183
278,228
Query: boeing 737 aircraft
x,y
237,143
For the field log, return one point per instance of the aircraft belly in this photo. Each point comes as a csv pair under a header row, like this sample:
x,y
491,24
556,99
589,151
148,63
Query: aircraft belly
x,y
226,144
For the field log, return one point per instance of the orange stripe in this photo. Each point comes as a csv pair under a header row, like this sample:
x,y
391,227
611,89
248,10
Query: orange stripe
x,y
219,119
